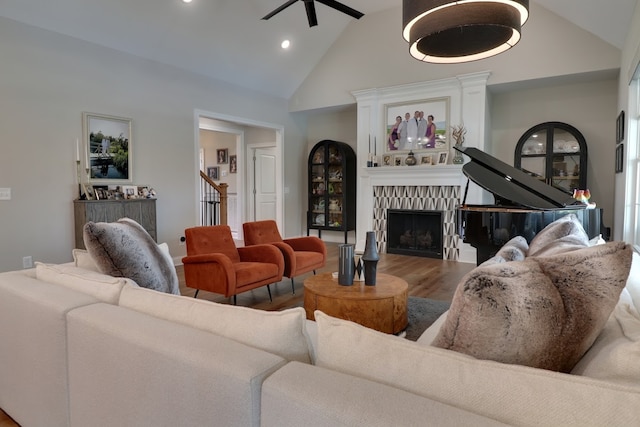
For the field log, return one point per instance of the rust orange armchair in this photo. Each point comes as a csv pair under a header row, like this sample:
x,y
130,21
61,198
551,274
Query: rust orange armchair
x,y
214,263
301,254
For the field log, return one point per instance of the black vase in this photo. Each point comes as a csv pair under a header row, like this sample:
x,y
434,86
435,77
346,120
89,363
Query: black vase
x,y
345,264
370,259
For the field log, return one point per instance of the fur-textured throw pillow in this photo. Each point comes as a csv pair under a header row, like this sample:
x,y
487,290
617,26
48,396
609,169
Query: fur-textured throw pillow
x,y
514,250
543,312
125,249
562,235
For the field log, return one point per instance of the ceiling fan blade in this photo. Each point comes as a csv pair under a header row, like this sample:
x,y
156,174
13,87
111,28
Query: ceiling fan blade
x,y
280,9
311,13
342,8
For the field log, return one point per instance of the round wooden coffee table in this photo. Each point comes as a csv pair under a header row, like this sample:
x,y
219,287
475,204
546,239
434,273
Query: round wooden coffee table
x,y
382,307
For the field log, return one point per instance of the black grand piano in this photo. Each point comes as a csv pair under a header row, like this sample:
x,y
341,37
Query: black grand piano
x,y
523,206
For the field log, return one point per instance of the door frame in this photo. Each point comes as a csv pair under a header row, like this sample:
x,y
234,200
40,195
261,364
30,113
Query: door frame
x,y
235,125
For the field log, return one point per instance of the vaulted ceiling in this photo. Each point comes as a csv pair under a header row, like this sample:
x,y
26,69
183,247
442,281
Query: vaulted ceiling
x,y
227,40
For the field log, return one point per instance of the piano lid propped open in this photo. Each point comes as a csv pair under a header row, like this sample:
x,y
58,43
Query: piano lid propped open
x,y
511,186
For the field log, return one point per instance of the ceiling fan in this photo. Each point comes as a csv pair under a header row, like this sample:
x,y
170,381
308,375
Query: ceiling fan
x,y
311,10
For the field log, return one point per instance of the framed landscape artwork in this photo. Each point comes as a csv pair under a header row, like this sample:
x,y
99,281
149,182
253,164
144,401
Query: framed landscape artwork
x,y
107,148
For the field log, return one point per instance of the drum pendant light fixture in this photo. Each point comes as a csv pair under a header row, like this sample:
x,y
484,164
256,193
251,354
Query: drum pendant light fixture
x,y
447,32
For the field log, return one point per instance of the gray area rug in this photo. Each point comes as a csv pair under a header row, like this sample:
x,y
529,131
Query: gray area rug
x,y
422,312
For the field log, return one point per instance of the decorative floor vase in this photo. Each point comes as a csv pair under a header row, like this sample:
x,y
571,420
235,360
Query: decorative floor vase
x,y
346,267
370,259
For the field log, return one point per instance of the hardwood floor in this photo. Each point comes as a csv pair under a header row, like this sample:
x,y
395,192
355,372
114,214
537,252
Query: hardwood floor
x,y
427,278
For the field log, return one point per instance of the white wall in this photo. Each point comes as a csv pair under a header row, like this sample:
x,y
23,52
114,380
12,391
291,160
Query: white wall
x,y
557,72
589,107
211,142
372,54
625,182
337,124
48,80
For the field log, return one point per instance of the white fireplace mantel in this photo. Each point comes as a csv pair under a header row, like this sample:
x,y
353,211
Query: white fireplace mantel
x,y
413,175
468,99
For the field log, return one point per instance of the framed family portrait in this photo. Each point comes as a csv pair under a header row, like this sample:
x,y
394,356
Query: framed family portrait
x,y
130,191
619,158
107,148
426,160
620,127
213,172
417,126
233,163
442,157
223,156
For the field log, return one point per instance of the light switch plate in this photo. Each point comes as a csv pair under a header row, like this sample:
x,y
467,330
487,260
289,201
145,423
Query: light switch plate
x,y
5,194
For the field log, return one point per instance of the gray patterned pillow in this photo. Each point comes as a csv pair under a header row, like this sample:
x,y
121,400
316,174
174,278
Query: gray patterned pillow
x,y
125,249
543,312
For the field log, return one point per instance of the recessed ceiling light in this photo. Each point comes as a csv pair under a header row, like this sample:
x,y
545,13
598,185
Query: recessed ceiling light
x,y
186,1
285,44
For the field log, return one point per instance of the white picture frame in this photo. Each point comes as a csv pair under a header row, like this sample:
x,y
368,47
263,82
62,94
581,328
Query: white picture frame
x,y
107,148
443,156
436,107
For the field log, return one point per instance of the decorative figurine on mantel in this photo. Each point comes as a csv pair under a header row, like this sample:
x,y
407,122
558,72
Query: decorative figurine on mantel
x,y
458,132
411,159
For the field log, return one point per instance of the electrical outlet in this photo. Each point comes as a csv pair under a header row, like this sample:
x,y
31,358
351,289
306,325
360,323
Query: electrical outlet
x,y
5,194
27,262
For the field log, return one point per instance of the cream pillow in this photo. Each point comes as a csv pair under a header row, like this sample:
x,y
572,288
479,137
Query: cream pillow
x,y
82,259
278,332
543,312
615,355
512,394
103,287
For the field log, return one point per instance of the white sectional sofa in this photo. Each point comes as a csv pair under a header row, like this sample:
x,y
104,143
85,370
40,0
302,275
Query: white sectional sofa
x,y
84,349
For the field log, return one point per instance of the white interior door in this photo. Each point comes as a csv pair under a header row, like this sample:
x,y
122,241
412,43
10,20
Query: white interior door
x,y
265,194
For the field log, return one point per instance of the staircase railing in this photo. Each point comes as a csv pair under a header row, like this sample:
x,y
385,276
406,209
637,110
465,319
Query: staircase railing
x,y
214,201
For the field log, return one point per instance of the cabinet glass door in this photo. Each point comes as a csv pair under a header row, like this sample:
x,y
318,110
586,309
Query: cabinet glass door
x,y
318,190
566,160
555,153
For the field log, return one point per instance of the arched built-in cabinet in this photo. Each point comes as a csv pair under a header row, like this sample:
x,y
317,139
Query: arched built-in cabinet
x,y
332,188
555,153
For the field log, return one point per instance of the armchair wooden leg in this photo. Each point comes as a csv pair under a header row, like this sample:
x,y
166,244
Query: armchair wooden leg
x,y
196,295
269,289
235,300
314,272
293,289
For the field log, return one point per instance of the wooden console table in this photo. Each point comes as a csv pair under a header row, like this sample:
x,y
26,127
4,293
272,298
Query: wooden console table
x,y
382,307
143,211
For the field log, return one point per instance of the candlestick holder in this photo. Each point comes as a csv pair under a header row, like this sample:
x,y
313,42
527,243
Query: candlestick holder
x,y
78,178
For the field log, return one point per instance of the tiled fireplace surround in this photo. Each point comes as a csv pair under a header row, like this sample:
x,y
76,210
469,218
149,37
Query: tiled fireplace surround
x,y
418,198
437,187
416,188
